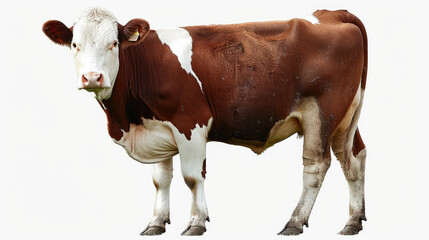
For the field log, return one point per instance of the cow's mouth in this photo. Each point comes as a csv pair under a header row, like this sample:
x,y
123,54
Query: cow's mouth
x,y
94,90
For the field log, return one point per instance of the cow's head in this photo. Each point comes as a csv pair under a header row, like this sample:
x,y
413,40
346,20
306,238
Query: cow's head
x,y
95,40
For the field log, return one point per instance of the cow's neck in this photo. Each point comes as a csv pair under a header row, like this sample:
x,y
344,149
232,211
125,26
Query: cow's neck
x,y
127,103
115,109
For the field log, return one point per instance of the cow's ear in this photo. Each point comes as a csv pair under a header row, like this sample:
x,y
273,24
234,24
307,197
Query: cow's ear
x,y
134,32
58,32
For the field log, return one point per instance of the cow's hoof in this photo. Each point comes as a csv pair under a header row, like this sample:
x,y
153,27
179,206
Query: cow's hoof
x,y
194,231
290,231
153,230
350,230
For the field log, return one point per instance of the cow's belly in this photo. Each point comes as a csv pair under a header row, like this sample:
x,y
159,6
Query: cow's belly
x,y
151,142
280,131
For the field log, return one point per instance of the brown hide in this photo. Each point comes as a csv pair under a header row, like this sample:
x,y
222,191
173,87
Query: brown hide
x,y
254,74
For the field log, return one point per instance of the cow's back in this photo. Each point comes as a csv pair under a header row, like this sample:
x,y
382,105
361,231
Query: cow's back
x,y
256,74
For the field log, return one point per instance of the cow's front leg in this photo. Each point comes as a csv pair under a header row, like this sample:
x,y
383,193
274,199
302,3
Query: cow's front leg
x,y
162,173
193,164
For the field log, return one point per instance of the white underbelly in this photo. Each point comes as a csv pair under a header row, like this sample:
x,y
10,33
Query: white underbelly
x,y
151,142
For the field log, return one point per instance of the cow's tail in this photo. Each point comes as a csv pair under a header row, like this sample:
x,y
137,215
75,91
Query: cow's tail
x,y
354,143
350,18
349,144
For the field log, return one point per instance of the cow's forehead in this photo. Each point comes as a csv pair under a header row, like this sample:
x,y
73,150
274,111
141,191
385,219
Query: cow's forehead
x,y
95,25
102,32
96,14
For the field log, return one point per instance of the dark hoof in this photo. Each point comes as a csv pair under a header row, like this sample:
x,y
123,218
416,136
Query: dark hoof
x,y
152,231
194,231
290,231
350,230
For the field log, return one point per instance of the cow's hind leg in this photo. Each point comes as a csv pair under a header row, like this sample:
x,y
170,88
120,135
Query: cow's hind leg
x,y
316,160
162,173
351,152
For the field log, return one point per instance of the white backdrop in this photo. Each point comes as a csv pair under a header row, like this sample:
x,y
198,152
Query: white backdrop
x,y
62,177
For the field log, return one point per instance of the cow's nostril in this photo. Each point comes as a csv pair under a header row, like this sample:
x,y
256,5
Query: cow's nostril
x,y
84,79
100,80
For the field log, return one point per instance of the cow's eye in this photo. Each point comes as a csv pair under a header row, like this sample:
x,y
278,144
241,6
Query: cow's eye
x,y
74,45
114,44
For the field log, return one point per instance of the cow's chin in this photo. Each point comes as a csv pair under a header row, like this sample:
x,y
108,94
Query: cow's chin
x,y
99,93
94,90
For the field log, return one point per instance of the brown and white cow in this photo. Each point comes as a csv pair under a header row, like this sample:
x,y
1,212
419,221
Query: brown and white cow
x,y
171,91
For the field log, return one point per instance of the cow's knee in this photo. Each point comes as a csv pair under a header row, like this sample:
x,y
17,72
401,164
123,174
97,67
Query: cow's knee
x,y
354,166
314,172
162,174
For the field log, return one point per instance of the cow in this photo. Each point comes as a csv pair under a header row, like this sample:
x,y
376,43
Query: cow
x,y
170,91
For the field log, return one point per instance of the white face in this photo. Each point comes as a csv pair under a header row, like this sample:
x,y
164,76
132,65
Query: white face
x,y
95,50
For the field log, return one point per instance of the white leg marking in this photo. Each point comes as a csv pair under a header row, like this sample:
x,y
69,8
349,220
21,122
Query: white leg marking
x,y
180,42
315,166
356,180
313,177
162,173
353,167
192,156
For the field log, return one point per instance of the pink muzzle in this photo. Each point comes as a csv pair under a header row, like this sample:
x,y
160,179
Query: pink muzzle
x,y
92,80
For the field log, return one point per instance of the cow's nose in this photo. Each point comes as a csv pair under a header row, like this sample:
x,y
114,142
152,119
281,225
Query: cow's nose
x,y
92,80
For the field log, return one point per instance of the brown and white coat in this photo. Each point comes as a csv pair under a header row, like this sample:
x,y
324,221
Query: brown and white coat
x,y
171,91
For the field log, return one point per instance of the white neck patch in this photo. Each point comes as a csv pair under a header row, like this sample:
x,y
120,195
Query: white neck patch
x,y
180,42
